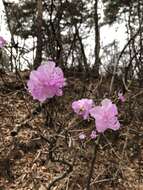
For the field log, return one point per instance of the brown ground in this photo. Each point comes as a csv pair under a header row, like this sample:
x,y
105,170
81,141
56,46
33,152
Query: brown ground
x,y
35,151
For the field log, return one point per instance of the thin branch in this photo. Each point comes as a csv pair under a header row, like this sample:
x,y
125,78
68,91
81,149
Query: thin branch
x,y
70,166
122,52
96,147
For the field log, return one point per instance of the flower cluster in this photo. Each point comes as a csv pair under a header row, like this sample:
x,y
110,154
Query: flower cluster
x,y
105,115
82,107
46,82
2,42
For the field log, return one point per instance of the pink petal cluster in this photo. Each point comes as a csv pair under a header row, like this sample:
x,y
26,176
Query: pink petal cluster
x,y
121,97
82,107
46,82
2,42
105,116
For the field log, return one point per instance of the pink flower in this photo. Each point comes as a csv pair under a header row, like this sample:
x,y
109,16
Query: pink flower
x,y
82,107
93,134
121,97
45,82
105,116
2,42
82,136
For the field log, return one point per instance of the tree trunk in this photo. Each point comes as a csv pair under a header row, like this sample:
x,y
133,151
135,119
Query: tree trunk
x,y
38,58
97,39
140,18
82,50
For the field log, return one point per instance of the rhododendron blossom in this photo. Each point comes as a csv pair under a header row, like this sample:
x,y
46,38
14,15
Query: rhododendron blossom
x,y
121,97
82,107
2,42
105,116
47,81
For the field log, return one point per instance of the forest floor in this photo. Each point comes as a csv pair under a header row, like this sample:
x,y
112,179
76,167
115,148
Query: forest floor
x,y
42,154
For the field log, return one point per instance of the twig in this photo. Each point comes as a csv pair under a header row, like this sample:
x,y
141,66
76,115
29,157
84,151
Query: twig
x,y
25,121
122,52
112,148
138,94
70,166
126,141
96,146
104,180
23,83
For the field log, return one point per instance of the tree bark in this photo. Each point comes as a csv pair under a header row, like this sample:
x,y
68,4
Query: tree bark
x,y
97,39
82,50
38,57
